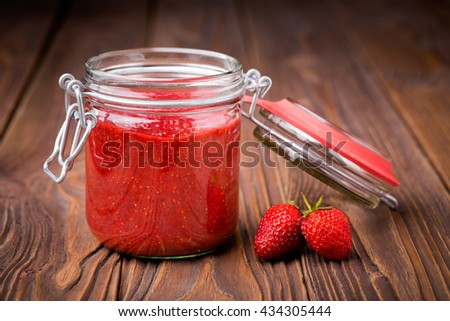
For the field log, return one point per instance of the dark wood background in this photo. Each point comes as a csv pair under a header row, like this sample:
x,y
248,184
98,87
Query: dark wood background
x,y
379,69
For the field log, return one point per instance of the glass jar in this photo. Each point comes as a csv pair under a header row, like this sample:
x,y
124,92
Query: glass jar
x,y
162,161
162,129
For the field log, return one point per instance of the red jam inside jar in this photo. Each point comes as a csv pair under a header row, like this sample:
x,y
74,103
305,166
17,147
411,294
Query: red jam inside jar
x,y
162,163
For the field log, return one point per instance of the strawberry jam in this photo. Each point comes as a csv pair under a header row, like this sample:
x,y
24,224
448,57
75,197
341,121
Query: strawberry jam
x,y
163,184
162,162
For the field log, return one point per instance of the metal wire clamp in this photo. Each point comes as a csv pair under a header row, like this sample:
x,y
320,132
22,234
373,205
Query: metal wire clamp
x,y
85,121
259,86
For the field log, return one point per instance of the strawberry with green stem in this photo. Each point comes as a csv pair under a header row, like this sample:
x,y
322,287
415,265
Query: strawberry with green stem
x,y
326,230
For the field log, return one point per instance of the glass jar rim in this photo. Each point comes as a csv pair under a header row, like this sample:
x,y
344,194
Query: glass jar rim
x,y
179,76
137,53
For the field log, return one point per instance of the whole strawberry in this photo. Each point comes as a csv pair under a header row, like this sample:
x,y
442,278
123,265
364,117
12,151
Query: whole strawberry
x,y
326,230
278,232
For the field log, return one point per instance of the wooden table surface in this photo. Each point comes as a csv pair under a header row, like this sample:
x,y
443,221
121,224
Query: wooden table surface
x,y
380,69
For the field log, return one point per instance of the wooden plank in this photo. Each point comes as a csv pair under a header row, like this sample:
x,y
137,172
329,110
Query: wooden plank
x,y
415,71
398,255
24,27
47,250
198,24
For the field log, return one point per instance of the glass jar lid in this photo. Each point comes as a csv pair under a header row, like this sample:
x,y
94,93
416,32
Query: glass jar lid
x,y
323,150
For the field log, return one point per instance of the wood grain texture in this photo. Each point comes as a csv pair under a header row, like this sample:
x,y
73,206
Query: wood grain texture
x,y
24,28
415,71
379,71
